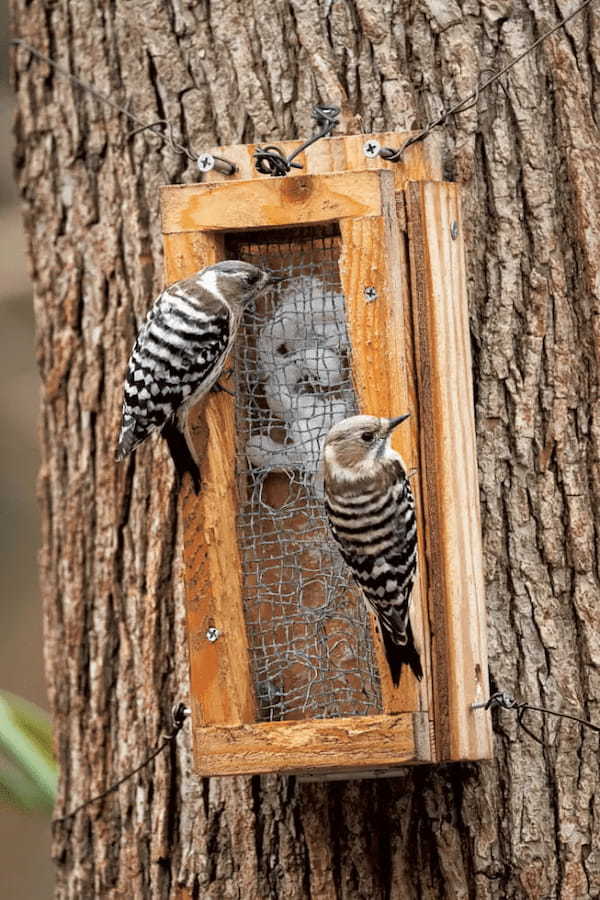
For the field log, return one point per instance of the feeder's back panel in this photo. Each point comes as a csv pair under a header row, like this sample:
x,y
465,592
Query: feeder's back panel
x,y
309,638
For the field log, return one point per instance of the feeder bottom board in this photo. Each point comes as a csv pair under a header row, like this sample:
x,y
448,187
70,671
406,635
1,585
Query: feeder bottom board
x,y
312,746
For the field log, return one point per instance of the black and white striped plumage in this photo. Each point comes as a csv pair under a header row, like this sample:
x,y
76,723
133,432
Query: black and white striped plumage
x,y
371,511
180,352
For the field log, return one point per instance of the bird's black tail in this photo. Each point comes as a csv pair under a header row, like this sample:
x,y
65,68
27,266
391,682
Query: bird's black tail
x,y
399,654
181,454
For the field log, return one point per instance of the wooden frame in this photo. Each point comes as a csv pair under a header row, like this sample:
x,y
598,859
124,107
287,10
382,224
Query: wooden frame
x,y
410,350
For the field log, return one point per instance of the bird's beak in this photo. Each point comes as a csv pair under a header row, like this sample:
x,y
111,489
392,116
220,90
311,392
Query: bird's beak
x,y
272,278
393,423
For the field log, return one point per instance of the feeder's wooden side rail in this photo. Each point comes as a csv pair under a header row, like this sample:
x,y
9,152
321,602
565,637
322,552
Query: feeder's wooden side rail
x,y
220,681
371,261
314,745
449,458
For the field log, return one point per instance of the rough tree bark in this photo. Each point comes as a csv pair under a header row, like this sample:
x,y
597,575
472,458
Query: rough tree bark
x,y
525,825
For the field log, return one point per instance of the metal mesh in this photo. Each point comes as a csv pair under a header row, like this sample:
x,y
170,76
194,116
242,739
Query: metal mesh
x,y
307,625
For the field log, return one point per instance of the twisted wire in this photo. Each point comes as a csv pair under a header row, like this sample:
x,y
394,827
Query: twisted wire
x,y
179,714
271,160
502,700
395,155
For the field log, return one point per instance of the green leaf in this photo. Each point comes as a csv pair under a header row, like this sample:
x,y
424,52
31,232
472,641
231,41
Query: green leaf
x,y
29,774
19,791
32,719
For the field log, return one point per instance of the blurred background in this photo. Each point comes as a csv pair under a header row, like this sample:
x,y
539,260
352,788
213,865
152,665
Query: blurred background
x,y
25,866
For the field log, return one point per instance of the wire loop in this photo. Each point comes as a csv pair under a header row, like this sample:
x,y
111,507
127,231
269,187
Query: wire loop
x,y
466,103
271,160
179,714
506,701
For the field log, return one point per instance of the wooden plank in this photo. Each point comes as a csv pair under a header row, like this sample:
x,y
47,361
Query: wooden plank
x,y
371,260
341,153
313,745
244,205
221,690
420,612
450,484
349,774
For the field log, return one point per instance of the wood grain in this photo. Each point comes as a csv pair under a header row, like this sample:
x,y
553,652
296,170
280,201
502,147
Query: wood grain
x,y
313,745
371,260
450,483
243,205
221,690
421,161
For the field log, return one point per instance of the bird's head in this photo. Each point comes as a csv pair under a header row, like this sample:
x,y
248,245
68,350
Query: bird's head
x,y
354,447
237,281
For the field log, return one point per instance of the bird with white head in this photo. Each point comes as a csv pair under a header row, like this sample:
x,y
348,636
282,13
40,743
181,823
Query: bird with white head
x,y
180,353
371,511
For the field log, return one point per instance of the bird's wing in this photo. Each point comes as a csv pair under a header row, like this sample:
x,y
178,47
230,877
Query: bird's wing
x,y
383,556
175,355
401,563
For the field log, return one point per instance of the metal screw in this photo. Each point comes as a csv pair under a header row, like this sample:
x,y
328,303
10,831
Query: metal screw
x,y
206,162
212,634
179,712
370,294
454,230
371,149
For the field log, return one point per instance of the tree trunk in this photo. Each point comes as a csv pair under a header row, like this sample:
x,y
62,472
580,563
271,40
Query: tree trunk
x,y
521,826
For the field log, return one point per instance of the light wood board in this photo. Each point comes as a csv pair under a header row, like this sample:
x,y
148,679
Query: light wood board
x,y
340,153
313,745
220,682
449,460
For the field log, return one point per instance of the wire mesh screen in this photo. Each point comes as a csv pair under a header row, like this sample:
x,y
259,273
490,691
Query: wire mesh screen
x,y
308,631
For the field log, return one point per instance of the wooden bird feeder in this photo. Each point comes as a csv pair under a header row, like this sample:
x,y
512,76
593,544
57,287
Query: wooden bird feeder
x,y
287,671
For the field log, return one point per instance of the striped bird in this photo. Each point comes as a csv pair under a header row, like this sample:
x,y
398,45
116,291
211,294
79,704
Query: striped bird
x,y
179,355
371,511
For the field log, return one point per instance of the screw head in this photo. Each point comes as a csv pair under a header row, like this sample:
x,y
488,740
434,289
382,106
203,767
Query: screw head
x,y
371,149
179,713
370,294
205,162
212,634
454,229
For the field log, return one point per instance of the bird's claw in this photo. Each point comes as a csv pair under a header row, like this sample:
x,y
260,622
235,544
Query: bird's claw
x,y
218,387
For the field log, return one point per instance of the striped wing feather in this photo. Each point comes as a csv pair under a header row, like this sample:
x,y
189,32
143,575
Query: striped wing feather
x,y
178,355
377,539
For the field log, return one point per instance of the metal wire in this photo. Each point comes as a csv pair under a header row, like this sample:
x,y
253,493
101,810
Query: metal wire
x,y
271,160
308,630
395,155
179,714
167,138
503,700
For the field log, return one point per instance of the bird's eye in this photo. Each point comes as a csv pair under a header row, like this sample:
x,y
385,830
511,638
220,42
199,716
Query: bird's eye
x,y
252,277
367,436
